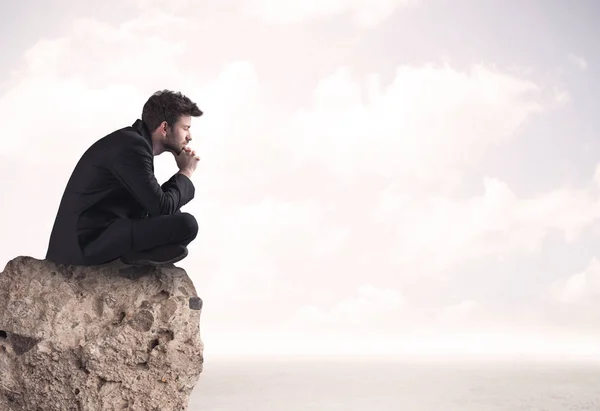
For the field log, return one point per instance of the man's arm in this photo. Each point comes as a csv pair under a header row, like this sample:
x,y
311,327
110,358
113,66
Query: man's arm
x,y
133,168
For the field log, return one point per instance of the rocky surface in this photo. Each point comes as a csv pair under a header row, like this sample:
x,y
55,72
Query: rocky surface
x,y
108,337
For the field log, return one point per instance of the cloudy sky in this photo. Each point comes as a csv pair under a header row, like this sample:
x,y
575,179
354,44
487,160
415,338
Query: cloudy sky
x,y
384,176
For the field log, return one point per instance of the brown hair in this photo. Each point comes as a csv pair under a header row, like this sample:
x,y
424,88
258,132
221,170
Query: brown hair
x,y
167,105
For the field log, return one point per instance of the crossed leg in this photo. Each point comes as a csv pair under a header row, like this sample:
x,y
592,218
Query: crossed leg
x,y
125,236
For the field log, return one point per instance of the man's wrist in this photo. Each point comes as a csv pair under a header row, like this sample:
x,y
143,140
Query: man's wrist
x,y
186,173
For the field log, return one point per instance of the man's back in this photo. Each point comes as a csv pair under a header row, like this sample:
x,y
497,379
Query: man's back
x,y
95,194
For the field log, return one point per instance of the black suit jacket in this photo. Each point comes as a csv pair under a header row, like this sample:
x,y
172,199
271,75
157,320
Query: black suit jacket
x,y
113,179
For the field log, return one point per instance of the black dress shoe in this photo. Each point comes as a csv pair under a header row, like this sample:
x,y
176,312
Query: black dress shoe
x,y
167,254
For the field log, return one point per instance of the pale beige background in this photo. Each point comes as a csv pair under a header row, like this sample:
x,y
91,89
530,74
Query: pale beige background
x,y
377,176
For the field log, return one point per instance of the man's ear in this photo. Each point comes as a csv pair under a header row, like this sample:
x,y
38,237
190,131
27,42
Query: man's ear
x,y
163,127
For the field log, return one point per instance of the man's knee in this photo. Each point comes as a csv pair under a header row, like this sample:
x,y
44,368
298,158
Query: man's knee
x,y
190,225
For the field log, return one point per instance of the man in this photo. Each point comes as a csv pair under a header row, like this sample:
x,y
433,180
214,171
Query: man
x,y
114,208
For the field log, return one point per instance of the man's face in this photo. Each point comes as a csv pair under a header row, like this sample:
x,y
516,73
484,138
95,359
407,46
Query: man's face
x,y
178,135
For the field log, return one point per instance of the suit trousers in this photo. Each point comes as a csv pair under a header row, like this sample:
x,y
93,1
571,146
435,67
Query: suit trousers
x,y
123,236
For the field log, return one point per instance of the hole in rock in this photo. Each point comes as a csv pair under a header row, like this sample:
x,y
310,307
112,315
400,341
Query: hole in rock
x,y
83,367
166,335
101,382
153,344
3,335
77,391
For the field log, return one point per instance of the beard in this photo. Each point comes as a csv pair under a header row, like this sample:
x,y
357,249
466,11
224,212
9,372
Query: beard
x,y
172,145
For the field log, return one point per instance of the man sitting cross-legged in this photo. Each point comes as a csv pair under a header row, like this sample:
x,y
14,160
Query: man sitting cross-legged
x,y
113,206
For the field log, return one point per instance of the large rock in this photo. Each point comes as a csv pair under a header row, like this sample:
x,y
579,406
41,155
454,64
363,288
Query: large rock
x,y
109,337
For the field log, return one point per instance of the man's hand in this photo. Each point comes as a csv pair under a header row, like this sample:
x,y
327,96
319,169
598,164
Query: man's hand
x,y
187,161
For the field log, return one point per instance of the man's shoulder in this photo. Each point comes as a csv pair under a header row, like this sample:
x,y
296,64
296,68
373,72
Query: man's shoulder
x,y
126,138
131,135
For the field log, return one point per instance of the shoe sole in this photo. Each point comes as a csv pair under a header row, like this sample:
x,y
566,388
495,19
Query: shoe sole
x,y
159,263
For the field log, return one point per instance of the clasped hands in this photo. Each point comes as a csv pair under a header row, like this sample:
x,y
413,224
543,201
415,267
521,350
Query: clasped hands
x,y
187,161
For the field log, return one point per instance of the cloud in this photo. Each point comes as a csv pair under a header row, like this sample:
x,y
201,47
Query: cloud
x,y
364,13
581,287
568,305
460,312
421,124
440,232
578,61
244,244
418,125
365,306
